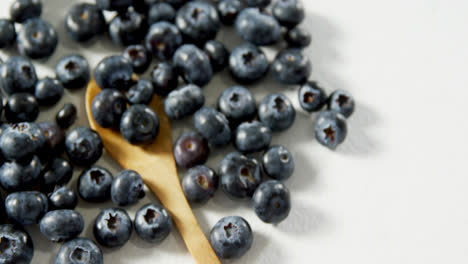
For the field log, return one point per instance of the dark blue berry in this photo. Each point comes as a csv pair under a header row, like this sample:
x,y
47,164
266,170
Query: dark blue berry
x,y
198,21
79,251
7,33
271,202
22,10
257,3
48,91
153,223
112,227
114,5
20,175
278,163
161,12
73,71
164,78
139,57
239,175
62,225
163,39
231,237
17,245
218,54
66,116
258,27
83,146
276,112
291,66
237,104
191,149
57,172
139,124
54,140
140,93
127,188
297,37
312,97
63,198
18,75
248,63
21,107
289,13
184,101
228,10
37,39
341,102
252,136
200,184
114,72
84,21
330,129
21,140
108,107
128,28
213,126
94,184
26,208
193,65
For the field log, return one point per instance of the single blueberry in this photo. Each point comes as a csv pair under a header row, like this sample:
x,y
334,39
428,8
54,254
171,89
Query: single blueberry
x,y
184,101
257,3
237,104
127,188
330,129
164,78
139,56
22,10
278,163
20,175
63,198
291,66
128,28
342,102
198,21
191,149
231,237
153,223
140,93
83,146
84,21
114,5
21,140
57,172
61,225
312,97
139,124
7,33
161,12
297,37
213,126
163,39
54,140
21,107
48,91
228,10
277,112
114,72
239,175
26,208
271,202
18,75
200,184
112,227
66,116
258,27
94,184
73,71
247,63
289,13
79,251
17,245
37,39
252,136
193,65
218,54
108,107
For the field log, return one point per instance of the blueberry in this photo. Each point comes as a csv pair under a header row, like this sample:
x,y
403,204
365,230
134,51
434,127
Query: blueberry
x,y
63,198
231,237
312,97
48,91
57,172
62,225
278,163
289,13
37,39
184,101
83,146
277,112
79,251
141,92
108,107
258,27
161,12
18,75
22,10
143,6
163,39
112,227
7,33
247,63
164,78
21,107
20,175
330,129
218,54
54,140
271,202
191,149
228,10
153,223
17,246
252,136
257,3
139,57
114,5
240,175
213,126
237,104
198,21
94,184
21,140
139,124
298,38
200,184
114,72
66,116
26,208
342,102
73,71
291,66
84,21
193,65
128,28
127,188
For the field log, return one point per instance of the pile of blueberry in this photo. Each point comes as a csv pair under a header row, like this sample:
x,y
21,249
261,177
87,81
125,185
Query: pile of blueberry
x,y
180,36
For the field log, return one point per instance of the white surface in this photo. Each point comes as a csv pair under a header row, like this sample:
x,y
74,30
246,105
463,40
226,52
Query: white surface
x,y
396,192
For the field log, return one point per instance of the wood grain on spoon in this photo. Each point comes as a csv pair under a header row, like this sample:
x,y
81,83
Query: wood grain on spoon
x,y
155,163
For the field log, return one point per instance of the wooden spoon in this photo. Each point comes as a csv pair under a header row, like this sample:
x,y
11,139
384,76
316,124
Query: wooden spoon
x,y
155,163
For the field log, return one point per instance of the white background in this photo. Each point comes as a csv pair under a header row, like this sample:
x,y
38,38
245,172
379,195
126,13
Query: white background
x,y
395,192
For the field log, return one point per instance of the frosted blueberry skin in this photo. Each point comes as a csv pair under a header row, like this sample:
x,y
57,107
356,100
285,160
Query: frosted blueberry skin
x,y
257,27
37,39
62,225
278,163
48,91
63,198
193,65
73,71
289,13
191,149
57,172
84,21
231,237
252,136
79,250
26,208
163,39
128,28
257,3
237,104
18,75
153,223
247,63
108,107
297,37
19,248
271,202
94,184
330,129
164,78
218,54
342,102
22,140
291,66
20,175
114,5
213,126
114,72
161,12
228,10
66,116
112,227
83,146
139,56
140,93
183,102
21,107
200,184
312,97
7,33
127,188
139,124
276,112
22,10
